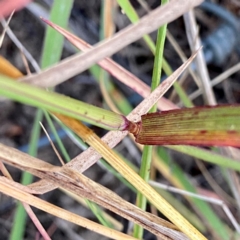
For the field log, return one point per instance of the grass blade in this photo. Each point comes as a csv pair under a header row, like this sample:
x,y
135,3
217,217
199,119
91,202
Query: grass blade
x,y
20,216
53,44
113,159
204,126
55,102
141,200
53,41
175,175
207,156
21,195
78,63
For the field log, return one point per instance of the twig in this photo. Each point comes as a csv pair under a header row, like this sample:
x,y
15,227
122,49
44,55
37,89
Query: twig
x,y
5,29
195,43
217,80
21,47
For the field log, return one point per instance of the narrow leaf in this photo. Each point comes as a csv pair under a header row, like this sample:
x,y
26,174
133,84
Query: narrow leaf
x,y
53,41
113,68
55,102
7,6
78,63
205,126
130,175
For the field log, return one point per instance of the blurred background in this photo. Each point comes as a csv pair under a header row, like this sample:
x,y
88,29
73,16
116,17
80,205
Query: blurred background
x,y
218,23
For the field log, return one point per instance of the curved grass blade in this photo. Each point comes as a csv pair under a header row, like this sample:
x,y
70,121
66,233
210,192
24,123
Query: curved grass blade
x,y
206,126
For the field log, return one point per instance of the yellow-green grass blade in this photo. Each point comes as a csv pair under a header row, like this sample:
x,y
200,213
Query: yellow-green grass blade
x,y
55,102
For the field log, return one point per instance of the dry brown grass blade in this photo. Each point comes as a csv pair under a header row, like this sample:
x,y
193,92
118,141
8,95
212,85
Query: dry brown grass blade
x,y
80,62
115,161
183,224
109,8
114,69
129,174
195,43
79,184
16,192
27,208
90,156
153,196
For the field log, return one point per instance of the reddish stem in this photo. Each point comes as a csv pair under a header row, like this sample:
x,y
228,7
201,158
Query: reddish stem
x,y
134,128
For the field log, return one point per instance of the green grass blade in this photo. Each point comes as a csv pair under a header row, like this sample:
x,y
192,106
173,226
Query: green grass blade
x,y
141,200
207,156
54,102
53,42
132,15
120,101
98,212
129,10
158,60
50,56
19,222
204,208
147,150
